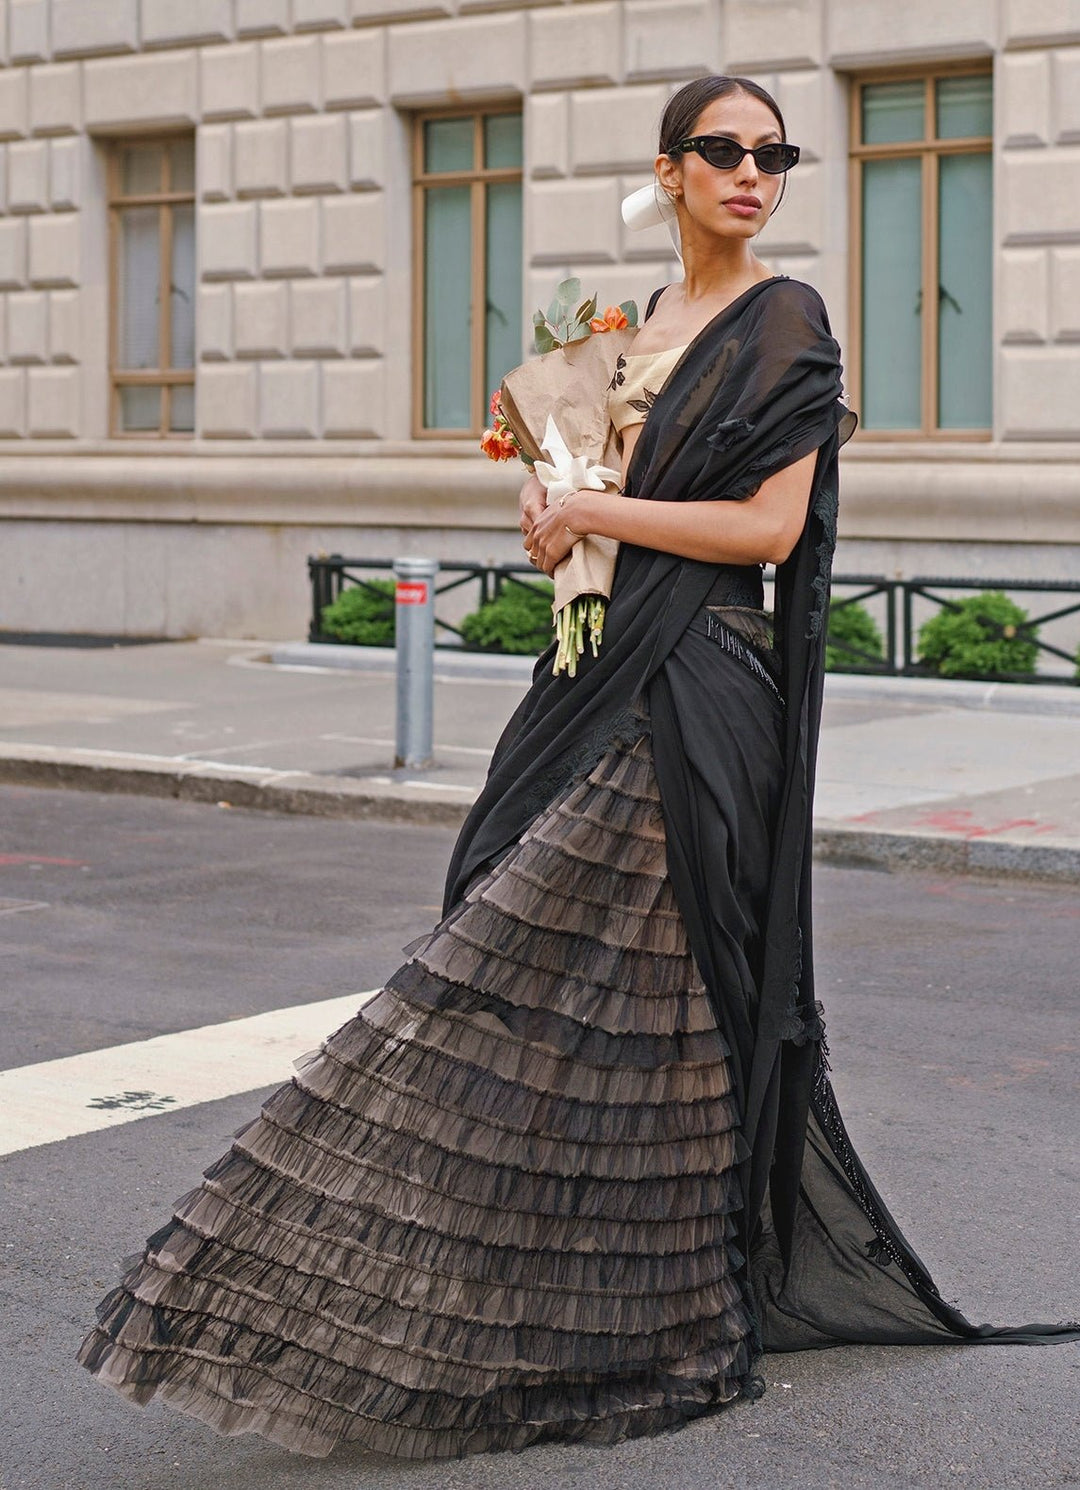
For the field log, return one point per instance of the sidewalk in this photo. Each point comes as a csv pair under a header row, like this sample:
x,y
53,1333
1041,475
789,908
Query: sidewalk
x,y
960,776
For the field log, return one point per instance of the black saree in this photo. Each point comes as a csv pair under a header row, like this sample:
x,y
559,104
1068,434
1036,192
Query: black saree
x,y
757,389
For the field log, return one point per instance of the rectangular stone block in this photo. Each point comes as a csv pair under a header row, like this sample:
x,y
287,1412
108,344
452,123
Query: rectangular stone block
x,y
14,103
365,12
1029,23
65,326
1065,72
261,320
56,99
289,234
230,82
289,401
290,75
802,100
320,15
228,241
55,249
262,17
53,400
213,323
570,46
12,253
215,162
865,34
1040,195
670,40
319,153
1024,295
367,150
84,28
354,234
158,88
12,403
28,327
1024,103
28,176
764,35
477,56
575,222
168,24
547,134
318,317
1065,293
354,399
28,30
226,398
367,316
65,159
261,158
614,129
1040,392
354,69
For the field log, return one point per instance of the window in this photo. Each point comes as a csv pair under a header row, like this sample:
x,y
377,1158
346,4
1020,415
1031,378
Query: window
x,y
152,311
468,258
923,240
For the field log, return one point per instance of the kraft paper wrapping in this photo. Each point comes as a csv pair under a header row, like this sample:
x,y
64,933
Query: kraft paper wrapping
x,y
569,386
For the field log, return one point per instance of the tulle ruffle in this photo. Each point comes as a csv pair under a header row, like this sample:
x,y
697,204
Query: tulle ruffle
x,y
495,1207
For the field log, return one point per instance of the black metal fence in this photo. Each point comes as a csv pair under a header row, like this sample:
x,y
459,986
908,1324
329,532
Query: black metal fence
x,y
899,608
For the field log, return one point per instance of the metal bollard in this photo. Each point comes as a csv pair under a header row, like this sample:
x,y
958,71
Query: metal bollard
x,y
414,611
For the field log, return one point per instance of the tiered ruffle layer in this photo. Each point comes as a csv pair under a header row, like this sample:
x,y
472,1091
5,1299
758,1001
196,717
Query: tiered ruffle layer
x,y
495,1207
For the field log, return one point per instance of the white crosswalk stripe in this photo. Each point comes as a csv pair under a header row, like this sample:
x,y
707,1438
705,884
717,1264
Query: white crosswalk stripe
x,y
59,1099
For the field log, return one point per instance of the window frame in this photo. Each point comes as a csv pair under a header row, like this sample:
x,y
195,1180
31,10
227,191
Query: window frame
x,y
164,376
477,179
928,151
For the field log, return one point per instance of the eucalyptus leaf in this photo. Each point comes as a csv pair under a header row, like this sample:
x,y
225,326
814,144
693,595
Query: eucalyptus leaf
x,y
543,341
629,310
568,291
588,310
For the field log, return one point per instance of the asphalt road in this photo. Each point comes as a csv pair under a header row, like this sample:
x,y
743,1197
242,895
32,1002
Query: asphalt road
x,y
952,1011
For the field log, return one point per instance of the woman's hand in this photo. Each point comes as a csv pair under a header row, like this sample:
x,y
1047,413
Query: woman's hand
x,y
549,540
531,503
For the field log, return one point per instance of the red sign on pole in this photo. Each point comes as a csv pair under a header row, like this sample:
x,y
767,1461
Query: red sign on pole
x,y
411,592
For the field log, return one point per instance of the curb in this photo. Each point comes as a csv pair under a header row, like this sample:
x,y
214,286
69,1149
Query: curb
x,y
294,793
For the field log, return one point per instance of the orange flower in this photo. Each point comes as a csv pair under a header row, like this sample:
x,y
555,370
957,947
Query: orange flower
x,y
498,446
613,319
493,408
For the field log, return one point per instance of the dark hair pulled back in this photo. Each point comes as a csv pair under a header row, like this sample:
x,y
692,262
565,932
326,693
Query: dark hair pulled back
x,y
685,107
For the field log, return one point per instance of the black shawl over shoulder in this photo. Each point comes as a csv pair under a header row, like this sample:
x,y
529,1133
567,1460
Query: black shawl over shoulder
x,y
756,390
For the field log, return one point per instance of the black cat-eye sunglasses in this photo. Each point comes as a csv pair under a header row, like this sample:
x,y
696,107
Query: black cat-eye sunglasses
x,y
725,153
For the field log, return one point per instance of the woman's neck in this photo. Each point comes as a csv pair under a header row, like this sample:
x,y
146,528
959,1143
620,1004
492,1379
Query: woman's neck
x,y
719,271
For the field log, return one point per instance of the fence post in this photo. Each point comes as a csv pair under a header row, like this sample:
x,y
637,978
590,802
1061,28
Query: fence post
x,y
414,618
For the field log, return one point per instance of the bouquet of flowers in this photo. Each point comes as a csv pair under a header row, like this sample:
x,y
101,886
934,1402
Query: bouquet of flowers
x,y
553,413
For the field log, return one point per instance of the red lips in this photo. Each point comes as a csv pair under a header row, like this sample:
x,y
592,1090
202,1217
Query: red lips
x,y
746,201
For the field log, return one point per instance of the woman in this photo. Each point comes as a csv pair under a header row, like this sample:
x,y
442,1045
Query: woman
x,y
580,1161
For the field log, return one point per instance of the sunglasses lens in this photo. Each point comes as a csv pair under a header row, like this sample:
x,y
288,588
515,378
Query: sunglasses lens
x,y
722,154
775,158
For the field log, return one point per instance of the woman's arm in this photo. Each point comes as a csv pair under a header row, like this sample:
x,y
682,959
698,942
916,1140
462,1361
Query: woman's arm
x,y
763,529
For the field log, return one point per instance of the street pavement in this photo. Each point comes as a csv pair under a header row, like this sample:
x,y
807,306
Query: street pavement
x,y
964,776
951,1006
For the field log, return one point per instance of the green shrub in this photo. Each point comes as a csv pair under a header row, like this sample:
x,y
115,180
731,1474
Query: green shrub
x,y
980,636
362,615
517,620
854,626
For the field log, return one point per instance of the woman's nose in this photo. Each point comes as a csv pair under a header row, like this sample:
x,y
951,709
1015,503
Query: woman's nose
x,y
746,171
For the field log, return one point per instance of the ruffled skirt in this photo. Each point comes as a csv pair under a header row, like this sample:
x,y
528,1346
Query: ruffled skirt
x,y
498,1205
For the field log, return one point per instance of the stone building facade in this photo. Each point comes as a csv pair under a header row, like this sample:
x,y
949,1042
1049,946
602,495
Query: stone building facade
x,y
294,424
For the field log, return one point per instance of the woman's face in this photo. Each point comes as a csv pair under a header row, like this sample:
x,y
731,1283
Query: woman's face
x,y
734,203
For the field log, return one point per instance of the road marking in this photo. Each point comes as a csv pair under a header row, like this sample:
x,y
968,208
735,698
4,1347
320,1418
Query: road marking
x,y
59,1099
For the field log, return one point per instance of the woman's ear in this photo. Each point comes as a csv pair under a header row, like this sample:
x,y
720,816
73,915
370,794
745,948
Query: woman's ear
x,y
669,175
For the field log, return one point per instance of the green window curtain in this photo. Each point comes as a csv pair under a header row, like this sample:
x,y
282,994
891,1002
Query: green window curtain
x,y
892,294
448,254
965,293
451,145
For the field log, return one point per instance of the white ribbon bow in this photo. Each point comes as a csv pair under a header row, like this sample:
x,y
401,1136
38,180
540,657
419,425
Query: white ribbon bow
x,y
565,473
